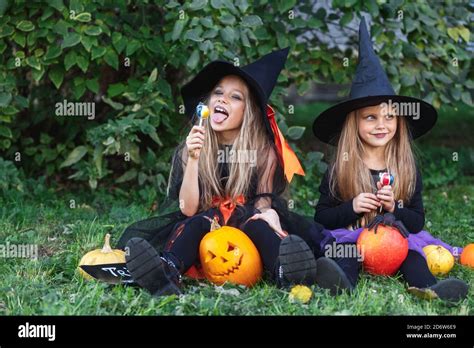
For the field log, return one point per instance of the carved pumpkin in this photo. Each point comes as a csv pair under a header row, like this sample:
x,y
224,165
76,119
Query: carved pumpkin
x,y
228,255
439,259
467,256
103,256
383,252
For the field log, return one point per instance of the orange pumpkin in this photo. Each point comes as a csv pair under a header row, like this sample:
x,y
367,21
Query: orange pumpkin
x,y
228,255
467,256
383,252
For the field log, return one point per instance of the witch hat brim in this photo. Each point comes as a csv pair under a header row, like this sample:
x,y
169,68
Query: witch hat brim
x,y
370,87
260,76
328,126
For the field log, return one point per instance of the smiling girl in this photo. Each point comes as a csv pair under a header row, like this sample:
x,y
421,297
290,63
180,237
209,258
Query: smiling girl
x,y
240,191
376,139
372,139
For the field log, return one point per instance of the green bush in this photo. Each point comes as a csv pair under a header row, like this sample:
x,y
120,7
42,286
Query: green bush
x,y
438,166
129,60
9,176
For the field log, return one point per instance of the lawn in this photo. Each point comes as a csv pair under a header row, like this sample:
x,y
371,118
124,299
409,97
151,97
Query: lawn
x,y
50,285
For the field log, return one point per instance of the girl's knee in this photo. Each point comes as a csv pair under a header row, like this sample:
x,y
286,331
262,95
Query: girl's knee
x,y
253,226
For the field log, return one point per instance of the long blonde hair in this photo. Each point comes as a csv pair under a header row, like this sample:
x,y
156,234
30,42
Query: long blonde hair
x,y
252,137
349,176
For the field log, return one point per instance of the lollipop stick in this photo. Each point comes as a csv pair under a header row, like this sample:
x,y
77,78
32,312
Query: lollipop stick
x,y
200,125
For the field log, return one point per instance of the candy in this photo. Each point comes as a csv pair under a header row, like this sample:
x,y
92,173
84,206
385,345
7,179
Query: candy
x,y
386,179
202,112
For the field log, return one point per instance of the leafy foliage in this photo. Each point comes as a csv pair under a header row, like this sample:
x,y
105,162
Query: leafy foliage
x,y
130,58
9,176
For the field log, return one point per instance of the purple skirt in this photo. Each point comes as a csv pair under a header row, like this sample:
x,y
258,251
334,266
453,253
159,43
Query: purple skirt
x,y
416,241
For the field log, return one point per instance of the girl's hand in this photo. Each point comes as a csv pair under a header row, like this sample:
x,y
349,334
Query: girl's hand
x,y
272,219
195,141
365,202
385,194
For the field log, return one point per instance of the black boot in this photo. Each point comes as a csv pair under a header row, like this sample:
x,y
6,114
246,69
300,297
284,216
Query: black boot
x,y
331,276
451,290
151,271
296,263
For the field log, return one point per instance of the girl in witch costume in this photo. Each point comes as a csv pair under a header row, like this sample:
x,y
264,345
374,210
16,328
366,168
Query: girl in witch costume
x,y
243,192
372,138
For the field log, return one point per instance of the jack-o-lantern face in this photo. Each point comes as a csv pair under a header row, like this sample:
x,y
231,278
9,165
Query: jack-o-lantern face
x,y
227,254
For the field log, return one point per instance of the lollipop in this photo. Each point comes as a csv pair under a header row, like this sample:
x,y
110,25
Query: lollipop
x,y
202,112
386,178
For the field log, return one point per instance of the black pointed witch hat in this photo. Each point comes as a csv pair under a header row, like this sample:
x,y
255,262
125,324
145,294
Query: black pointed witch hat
x,y
261,77
370,87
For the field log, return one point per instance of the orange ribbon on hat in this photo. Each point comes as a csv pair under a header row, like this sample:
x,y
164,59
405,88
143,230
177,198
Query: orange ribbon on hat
x,y
227,205
289,160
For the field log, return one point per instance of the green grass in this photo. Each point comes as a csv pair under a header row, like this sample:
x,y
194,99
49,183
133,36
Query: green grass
x,y
51,285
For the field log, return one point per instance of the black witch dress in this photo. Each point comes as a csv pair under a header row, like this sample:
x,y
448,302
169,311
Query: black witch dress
x,y
161,230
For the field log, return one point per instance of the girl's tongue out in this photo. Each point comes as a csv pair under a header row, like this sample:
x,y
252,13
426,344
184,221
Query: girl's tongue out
x,y
219,115
219,118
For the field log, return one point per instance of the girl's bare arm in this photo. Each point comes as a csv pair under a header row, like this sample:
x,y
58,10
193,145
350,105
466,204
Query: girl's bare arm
x,y
189,192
